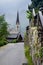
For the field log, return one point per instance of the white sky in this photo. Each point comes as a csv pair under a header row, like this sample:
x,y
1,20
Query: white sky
x,y
10,7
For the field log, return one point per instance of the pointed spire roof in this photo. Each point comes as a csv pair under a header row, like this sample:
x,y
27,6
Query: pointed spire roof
x,y
17,21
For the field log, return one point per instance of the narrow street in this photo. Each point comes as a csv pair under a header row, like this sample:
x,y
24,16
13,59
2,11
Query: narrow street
x,y
12,54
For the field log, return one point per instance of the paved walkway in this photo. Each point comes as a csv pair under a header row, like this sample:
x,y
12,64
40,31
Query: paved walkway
x,y
12,54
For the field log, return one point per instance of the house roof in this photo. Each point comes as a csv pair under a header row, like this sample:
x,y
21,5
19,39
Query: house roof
x,y
12,36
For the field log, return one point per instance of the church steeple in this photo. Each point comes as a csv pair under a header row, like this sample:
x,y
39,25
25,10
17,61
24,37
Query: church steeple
x,y
17,21
18,27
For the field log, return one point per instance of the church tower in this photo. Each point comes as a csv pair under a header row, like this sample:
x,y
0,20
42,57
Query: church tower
x,y
17,23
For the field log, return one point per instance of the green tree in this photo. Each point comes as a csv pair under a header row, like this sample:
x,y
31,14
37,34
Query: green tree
x,y
29,14
36,4
3,30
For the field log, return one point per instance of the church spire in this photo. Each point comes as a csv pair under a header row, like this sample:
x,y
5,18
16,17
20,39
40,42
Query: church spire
x,y
17,21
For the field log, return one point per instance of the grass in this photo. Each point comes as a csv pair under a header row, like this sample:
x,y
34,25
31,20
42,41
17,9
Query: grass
x,y
27,54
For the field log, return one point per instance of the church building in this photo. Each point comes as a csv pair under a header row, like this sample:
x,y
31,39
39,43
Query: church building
x,y
15,34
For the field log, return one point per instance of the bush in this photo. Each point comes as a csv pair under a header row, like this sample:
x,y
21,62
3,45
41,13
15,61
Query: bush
x,y
14,41
3,41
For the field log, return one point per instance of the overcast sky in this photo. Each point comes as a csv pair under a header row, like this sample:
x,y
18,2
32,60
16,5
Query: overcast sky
x,y
10,8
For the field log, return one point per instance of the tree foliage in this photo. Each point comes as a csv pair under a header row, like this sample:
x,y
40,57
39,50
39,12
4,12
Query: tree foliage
x,y
29,14
36,4
3,26
3,30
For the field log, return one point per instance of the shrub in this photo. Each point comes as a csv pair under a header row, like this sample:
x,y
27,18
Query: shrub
x,y
14,41
3,41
